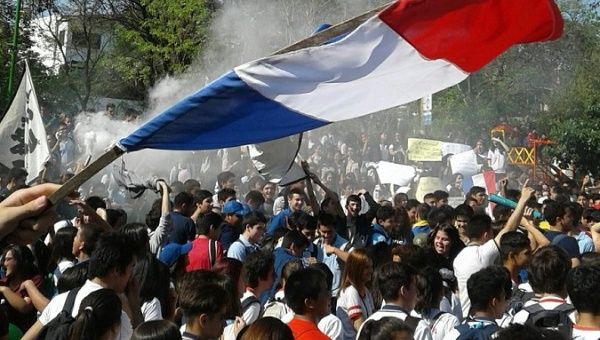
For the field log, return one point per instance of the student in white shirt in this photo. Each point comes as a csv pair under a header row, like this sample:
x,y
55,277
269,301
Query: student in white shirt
x,y
259,278
430,289
482,250
397,285
355,303
582,285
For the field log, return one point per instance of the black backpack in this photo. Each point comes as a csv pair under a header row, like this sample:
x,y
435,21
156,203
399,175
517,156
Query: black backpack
x,y
518,300
58,328
557,318
249,301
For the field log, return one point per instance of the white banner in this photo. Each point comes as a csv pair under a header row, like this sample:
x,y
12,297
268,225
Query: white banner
x,y
464,163
392,173
454,148
22,132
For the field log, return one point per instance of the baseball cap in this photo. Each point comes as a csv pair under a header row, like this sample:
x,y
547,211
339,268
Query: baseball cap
x,y
235,207
173,251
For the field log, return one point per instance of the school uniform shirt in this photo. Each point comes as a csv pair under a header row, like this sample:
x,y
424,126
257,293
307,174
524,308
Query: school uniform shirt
x,y
350,305
252,313
470,260
547,302
332,262
379,234
422,332
152,310
481,323
585,333
240,249
439,323
57,303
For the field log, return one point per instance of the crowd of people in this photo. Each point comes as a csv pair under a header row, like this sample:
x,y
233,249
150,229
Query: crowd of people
x,y
304,262
219,252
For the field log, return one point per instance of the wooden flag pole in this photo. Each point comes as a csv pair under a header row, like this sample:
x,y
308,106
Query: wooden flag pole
x,y
115,152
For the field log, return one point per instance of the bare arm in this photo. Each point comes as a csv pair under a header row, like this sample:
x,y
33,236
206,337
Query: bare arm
x,y
38,299
538,238
515,217
356,323
342,255
33,331
15,300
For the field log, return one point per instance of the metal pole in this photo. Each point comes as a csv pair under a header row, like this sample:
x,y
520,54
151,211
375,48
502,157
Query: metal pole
x,y
13,57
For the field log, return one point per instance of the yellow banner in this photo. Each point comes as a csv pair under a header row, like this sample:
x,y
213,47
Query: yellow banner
x,y
422,150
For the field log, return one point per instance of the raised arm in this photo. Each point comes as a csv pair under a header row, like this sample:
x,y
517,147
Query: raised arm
x,y
515,217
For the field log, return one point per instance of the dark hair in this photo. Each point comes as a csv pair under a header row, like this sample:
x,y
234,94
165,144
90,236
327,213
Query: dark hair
x,y
353,198
114,215
398,198
391,276
90,233
576,211
156,330
384,212
411,203
256,196
254,218
326,220
475,190
290,267
428,196
199,295
267,328
98,313
304,284
224,193
153,278
440,195
464,210
153,215
24,259
325,269
15,174
209,219
548,270
513,242
296,238
423,210
486,284
190,184
138,236
224,177
456,244
582,285
183,198
95,202
430,289
72,278
300,220
201,195
478,225
62,247
591,258
438,216
384,329
296,191
258,266
553,211
232,269
113,251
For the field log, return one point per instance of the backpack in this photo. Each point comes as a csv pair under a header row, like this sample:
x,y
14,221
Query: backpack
x,y
557,318
517,301
58,328
212,252
249,301
476,331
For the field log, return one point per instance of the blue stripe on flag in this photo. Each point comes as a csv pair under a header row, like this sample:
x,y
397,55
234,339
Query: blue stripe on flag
x,y
225,113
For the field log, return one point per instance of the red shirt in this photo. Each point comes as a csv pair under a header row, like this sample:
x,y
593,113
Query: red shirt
x,y
198,257
306,330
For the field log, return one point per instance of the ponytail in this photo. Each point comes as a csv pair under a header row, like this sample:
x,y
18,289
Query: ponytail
x,y
98,313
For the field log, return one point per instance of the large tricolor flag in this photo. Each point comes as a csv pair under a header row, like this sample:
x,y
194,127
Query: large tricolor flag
x,y
412,49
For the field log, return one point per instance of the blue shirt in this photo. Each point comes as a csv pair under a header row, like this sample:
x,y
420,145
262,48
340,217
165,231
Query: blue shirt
x,y
332,262
585,243
278,221
184,229
424,229
282,256
379,234
240,249
228,235
567,243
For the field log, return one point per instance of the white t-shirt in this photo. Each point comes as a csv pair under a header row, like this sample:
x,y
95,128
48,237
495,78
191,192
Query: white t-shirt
x,y
151,310
470,260
350,305
422,332
60,268
585,333
547,302
440,326
57,303
252,313
452,305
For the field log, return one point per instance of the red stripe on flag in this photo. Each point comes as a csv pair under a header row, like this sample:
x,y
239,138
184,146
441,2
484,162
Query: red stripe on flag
x,y
471,33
